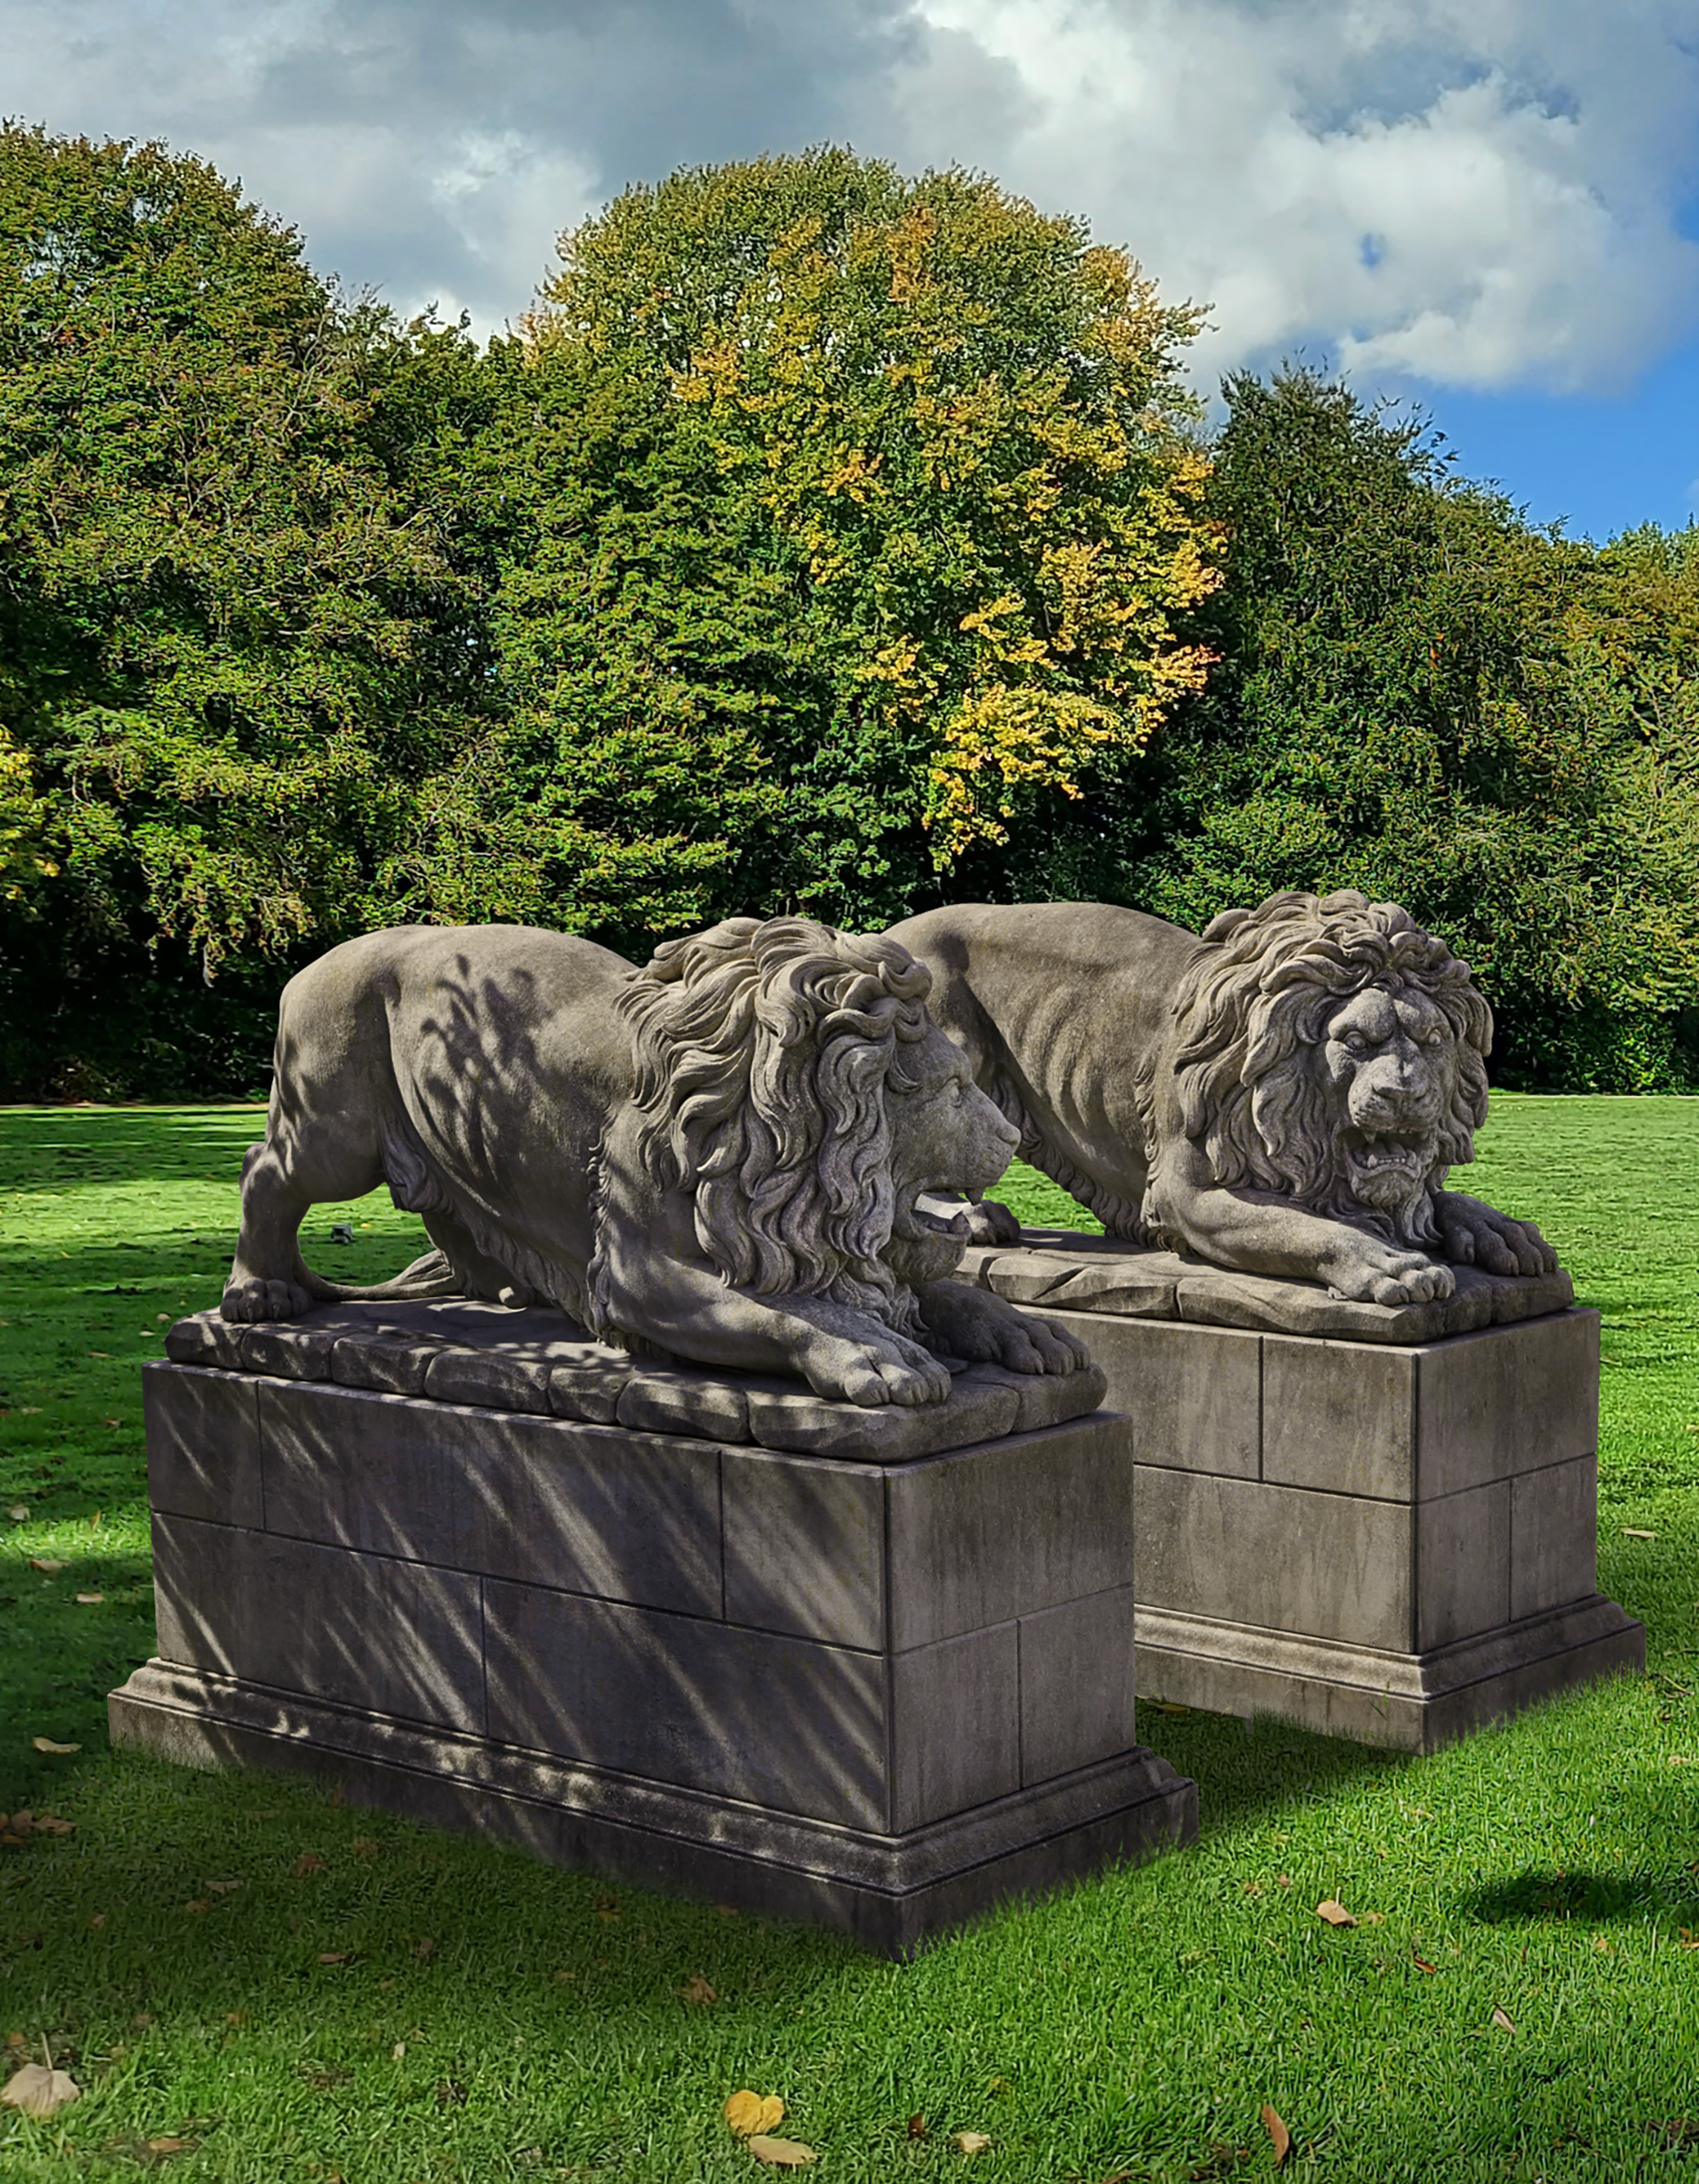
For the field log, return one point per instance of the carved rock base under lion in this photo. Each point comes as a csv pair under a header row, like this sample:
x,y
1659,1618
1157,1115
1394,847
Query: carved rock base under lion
x,y
1383,1526
536,1359
882,1694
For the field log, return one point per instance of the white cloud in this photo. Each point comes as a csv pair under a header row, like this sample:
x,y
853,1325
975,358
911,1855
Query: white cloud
x,y
1478,194
1475,193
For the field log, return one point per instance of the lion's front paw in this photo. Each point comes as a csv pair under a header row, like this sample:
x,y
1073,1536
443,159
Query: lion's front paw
x,y
1025,1344
1476,1235
871,1373
988,1223
1385,1276
987,1330
251,1299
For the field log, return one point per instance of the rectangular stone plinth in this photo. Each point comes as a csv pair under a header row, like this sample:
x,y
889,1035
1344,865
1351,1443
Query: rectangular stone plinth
x,y
882,1694
1380,1538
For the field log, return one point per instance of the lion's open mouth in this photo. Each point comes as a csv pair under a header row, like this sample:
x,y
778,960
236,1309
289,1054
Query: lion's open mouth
x,y
1389,1165
915,1218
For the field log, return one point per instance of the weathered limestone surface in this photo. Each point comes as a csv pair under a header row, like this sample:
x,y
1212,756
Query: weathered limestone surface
x,y
1105,1277
1382,1524
1285,1094
882,1690
495,1357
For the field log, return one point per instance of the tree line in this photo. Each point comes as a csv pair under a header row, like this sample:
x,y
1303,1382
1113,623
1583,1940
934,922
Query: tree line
x,y
823,539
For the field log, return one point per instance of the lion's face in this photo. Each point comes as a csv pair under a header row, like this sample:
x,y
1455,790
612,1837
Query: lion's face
x,y
1328,1051
945,1135
1390,1064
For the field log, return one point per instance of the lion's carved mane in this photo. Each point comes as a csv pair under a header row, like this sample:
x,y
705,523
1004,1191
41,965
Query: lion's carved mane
x,y
1250,1020
764,1051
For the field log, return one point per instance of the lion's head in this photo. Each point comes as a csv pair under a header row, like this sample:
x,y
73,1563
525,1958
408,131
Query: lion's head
x,y
793,1086
1332,1051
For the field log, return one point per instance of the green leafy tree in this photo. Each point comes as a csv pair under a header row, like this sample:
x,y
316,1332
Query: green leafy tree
x,y
1420,695
863,510
238,640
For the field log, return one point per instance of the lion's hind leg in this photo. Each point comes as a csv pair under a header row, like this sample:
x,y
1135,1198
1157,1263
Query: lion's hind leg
x,y
300,1164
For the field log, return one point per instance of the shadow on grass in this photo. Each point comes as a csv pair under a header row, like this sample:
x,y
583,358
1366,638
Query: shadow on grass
x,y
1544,1894
1242,1774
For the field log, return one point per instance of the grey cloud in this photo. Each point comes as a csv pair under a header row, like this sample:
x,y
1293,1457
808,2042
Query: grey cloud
x,y
433,150
1483,193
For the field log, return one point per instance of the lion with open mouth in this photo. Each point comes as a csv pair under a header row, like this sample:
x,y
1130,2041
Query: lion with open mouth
x,y
743,1155
1286,1094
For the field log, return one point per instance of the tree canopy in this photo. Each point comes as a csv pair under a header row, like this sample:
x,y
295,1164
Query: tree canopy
x,y
824,539
1420,695
236,641
887,487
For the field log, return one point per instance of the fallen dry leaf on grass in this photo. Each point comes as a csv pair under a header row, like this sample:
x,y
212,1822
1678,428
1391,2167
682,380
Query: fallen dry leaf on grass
x,y
39,2090
1278,2131
747,2112
780,2153
1632,1531
1502,2022
47,1744
1689,1938
308,1862
916,2126
696,1988
971,2141
170,2145
335,1955
1334,1913
198,1906
90,1600
48,1567
1422,1964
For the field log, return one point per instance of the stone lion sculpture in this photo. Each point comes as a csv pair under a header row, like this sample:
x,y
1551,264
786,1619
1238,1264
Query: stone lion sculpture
x,y
1285,1094
720,1157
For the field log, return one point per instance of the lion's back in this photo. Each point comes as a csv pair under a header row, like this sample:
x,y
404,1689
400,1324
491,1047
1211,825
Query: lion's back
x,y
490,1006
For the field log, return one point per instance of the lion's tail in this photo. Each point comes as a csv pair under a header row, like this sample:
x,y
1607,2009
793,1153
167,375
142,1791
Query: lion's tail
x,y
428,1277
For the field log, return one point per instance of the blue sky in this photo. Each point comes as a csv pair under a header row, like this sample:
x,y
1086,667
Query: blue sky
x,y
1485,205
1597,464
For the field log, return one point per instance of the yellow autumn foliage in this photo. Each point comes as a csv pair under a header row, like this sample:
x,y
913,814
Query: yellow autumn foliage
x,y
963,425
23,819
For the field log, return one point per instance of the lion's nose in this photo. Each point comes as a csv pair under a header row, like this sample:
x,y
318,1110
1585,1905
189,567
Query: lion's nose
x,y
1387,1094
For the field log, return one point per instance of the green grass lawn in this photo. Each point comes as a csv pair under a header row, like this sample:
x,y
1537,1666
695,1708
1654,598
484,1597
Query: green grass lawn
x,y
281,1988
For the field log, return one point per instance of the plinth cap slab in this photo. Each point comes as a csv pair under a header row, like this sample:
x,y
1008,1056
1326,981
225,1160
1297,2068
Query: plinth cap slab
x,y
1055,1268
535,1359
